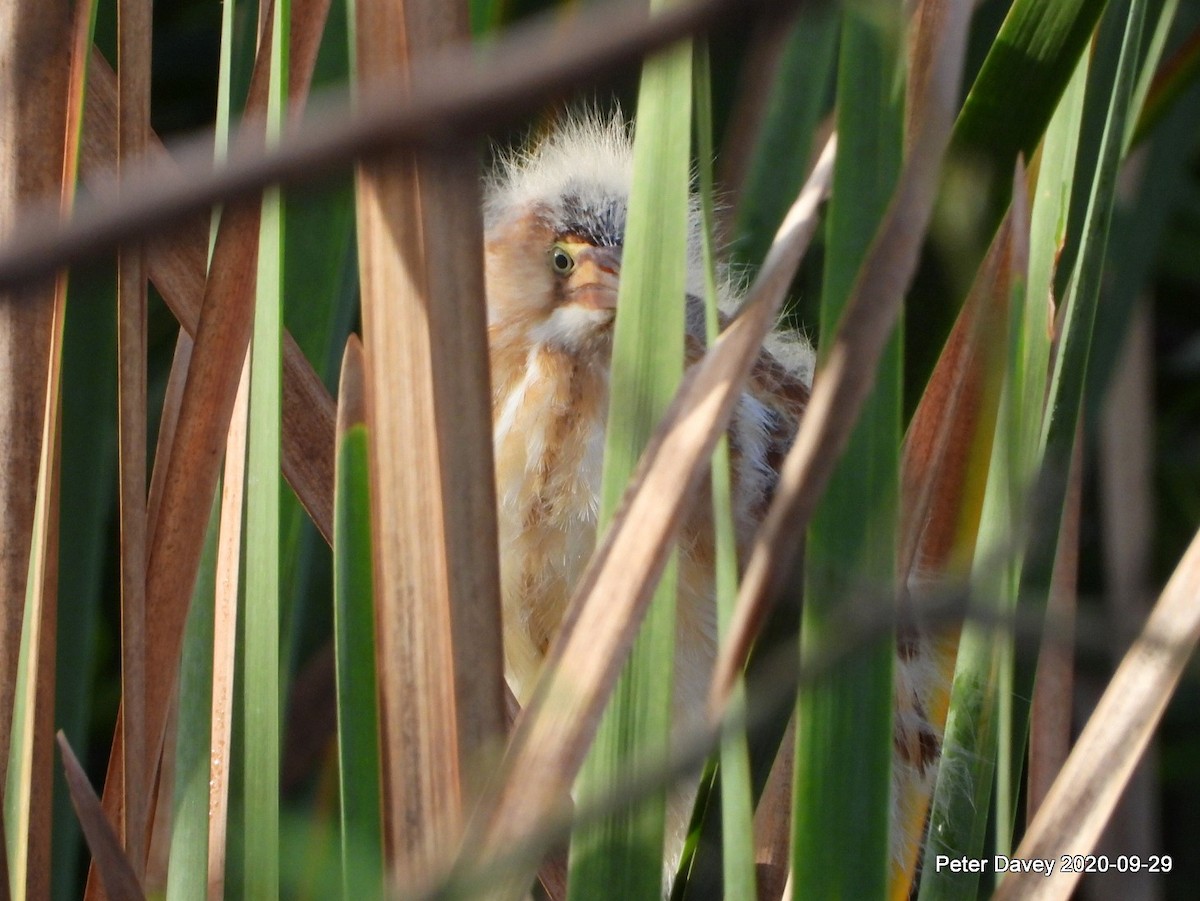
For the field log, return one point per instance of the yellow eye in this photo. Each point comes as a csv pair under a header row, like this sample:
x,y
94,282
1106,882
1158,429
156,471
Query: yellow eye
x,y
561,260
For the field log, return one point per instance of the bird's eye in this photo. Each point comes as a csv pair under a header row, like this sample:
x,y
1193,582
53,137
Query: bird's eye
x,y
561,260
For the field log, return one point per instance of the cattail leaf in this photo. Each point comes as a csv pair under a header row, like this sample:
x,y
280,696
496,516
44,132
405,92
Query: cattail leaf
x,y
26,745
971,739
737,799
943,478
436,571
784,149
844,720
1032,59
226,642
969,744
188,870
623,854
262,550
354,644
133,129
116,870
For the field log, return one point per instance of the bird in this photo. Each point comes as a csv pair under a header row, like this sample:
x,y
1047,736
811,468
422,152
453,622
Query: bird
x,y
554,229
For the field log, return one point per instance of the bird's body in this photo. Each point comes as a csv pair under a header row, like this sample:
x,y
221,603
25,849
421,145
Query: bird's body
x,y
555,220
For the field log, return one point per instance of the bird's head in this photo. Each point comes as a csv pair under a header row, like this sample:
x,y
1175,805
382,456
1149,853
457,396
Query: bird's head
x,y
555,226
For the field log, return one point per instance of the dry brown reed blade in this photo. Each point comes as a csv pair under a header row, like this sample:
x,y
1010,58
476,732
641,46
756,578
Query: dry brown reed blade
x,y
1054,683
433,513
1086,791
34,39
773,822
34,758
133,131
225,614
114,866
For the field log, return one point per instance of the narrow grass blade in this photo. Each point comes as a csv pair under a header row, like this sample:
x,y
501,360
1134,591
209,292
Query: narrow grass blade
x,y
843,772
116,870
187,871
1085,793
196,792
225,637
737,800
88,495
1032,59
354,629
1064,402
1148,72
624,855
133,131
437,570
1170,85
262,609
322,268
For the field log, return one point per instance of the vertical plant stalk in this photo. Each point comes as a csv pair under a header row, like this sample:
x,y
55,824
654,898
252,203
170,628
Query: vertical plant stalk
x,y
225,618
133,87
29,752
186,867
1064,401
959,805
434,524
354,637
34,41
262,622
843,772
737,798
623,854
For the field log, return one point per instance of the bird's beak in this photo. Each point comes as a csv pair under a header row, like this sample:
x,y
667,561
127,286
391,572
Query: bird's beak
x,y
594,282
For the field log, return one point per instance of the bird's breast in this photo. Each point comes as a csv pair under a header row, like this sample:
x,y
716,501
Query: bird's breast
x,y
549,412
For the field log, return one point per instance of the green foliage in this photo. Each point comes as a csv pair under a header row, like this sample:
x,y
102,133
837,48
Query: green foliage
x,y
839,60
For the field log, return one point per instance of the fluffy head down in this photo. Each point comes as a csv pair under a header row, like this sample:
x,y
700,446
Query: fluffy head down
x,y
577,180
577,176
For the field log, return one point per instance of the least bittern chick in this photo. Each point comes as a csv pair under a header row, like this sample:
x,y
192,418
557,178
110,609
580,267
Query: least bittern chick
x,y
555,226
